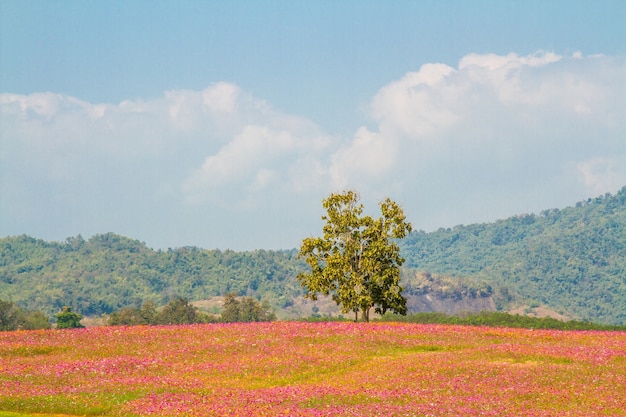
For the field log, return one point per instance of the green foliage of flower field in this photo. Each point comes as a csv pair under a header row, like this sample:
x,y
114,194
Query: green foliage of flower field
x,y
312,369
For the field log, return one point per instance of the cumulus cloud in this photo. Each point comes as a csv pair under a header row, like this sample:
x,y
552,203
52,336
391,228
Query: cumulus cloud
x,y
255,159
604,173
490,137
494,134
419,104
359,163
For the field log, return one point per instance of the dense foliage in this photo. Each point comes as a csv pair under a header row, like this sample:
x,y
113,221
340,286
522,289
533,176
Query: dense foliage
x,y
68,319
357,260
13,317
135,316
109,272
180,311
245,310
573,260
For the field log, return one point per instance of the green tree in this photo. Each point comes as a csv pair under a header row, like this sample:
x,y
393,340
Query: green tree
x,y
357,261
179,311
127,316
149,312
67,319
9,316
230,311
35,320
13,317
245,310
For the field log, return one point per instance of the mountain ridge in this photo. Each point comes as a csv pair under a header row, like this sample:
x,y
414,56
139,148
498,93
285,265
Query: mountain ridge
x,y
571,260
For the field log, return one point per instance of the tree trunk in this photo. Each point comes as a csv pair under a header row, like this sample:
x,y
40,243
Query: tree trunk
x,y
366,314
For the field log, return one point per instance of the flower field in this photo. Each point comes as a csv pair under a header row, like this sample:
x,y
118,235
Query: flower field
x,y
312,369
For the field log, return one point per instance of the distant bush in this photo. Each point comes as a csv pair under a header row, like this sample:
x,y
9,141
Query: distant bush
x,y
325,319
132,316
67,319
245,309
13,317
177,311
499,319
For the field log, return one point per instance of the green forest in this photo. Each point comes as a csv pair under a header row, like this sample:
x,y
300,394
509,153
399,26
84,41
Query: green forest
x,y
572,260
108,272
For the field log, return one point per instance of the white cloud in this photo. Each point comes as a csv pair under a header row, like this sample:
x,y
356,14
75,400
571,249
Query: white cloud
x,y
603,174
221,97
255,159
418,104
494,63
368,157
495,136
488,136
241,158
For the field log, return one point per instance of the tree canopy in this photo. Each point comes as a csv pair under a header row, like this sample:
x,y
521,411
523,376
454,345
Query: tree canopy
x,y
357,260
13,317
246,309
67,319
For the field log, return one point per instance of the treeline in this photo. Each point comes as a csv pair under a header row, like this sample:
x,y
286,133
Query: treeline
x,y
108,272
177,311
180,311
13,317
572,260
499,319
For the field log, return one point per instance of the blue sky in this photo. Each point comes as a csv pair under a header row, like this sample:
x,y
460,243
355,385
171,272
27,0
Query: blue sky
x,y
224,124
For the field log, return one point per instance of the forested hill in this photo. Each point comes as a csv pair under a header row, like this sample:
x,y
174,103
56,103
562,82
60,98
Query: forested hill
x,y
572,260
109,271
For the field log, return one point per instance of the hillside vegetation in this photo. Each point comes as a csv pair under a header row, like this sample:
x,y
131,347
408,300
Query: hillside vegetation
x,y
571,260
109,271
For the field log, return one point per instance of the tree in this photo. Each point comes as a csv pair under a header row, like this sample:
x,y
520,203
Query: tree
x,y
149,312
245,310
13,317
67,319
9,316
230,311
127,316
179,311
357,261
35,320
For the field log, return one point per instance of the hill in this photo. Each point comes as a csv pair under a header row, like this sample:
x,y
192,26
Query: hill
x,y
109,271
570,262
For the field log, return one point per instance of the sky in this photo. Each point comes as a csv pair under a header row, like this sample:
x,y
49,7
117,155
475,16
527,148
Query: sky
x,y
225,124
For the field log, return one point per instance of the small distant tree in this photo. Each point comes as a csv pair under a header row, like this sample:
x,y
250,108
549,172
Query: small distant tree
x,y
133,316
357,261
245,310
67,319
35,320
149,312
13,317
230,311
9,316
127,316
179,311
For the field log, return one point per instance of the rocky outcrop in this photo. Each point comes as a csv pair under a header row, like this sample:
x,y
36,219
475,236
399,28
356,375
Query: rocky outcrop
x,y
424,303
